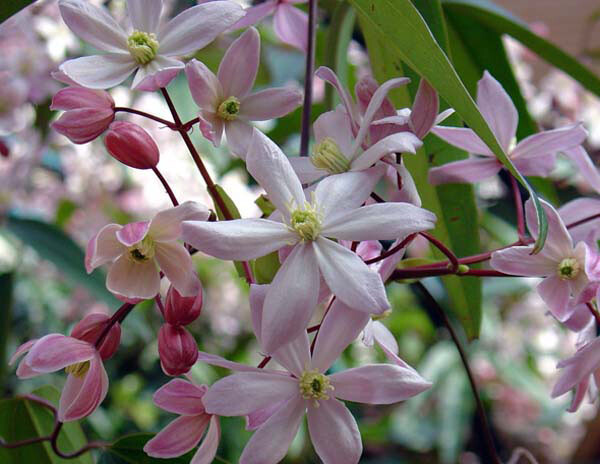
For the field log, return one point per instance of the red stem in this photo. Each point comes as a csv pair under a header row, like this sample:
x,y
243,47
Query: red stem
x,y
453,260
518,207
166,185
169,124
308,78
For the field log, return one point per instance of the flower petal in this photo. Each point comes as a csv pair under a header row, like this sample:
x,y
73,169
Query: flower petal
x,y
239,65
378,384
270,103
244,392
103,247
305,170
133,280
577,367
166,225
21,350
239,239
400,142
132,233
255,13
180,397
349,278
519,261
334,433
156,74
328,75
239,135
577,210
551,141
196,27
215,360
425,109
205,88
176,263
271,441
291,26
82,395
558,244
556,293
208,449
99,71
177,438
535,166
585,166
336,125
463,138
94,25
55,351
465,171
145,14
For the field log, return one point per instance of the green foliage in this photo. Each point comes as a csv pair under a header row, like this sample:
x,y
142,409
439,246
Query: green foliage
x,y
130,450
9,8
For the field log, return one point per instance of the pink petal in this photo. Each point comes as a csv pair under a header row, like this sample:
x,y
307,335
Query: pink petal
x,y
400,142
384,337
585,166
558,244
556,292
103,247
334,433
56,351
133,233
100,71
196,27
497,109
211,126
239,135
255,13
206,89
131,279
349,278
408,193
336,125
208,449
145,14
239,65
215,360
463,138
166,225
291,26
425,109
519,261
271,441
21,350
540,166
257,418
270,103
305,170
82,395
180,397
467,171
94,25
378,384
291,298
579,395
176,263
242,393
177,438
156,74
239,239
577,210
576,368
328,75
551,141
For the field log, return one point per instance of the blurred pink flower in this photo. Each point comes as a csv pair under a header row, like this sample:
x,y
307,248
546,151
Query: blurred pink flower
x,y
225,100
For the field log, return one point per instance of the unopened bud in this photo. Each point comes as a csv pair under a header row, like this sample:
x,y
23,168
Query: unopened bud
x,y
364,89
88,113
180,310
131,145
177,349
4,150
91,327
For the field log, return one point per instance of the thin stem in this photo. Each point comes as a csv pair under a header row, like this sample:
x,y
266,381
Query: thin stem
x,y
583,221
403,244
117,317
453,260
518,206
433,304
308,77
90,446
264,362
123,109
166,185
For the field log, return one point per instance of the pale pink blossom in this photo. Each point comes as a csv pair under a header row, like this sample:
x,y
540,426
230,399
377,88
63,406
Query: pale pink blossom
x,y
137,252
533,156
277,401
184,433
290,23
225,102
149,47
334,212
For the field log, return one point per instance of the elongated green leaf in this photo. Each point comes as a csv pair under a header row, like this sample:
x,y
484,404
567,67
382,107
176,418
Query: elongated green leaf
x,y
52,244
130,450
402,29
498,19
6,300
9,8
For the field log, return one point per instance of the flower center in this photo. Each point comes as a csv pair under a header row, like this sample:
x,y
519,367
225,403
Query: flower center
x,y
314,386
306,222
568,269
142,251
143,46
327,155
79,369
229,109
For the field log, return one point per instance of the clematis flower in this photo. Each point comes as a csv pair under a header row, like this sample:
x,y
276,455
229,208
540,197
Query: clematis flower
x,y
87,382
184,433
532,156
334,212
149,47
291,24
225,101
566,269
304,388
138,251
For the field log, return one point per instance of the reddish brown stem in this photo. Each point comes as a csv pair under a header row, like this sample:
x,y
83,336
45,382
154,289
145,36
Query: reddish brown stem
x,y
453,260
403,244
166,185
519,207
169,124
308,78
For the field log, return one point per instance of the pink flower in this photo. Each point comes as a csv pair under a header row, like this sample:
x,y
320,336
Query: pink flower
x,y
225,100
92,326
138,251
577,210
177,349
532,156
276,401
291,24
184,433
87,114
131,145
149,47
87,382
566,269
334,212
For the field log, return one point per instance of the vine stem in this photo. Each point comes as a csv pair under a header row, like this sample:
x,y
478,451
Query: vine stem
x,y
123,109
433,304
166,185
308,78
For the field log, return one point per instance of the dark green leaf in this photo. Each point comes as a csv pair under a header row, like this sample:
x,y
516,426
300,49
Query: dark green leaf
x,y
130,450
6,294
266,267
9,8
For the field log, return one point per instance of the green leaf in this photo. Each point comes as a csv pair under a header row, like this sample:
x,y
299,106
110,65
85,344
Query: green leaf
x,y
9,8
265,268
403,32
52,244
130,450
503,22
6,297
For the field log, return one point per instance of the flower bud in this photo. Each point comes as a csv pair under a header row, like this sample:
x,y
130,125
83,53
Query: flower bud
x,y
4,150
177,349
131,145
92,326
88,113
180,310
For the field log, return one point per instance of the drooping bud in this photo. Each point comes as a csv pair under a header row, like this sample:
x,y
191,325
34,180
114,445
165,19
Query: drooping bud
x,y
177,349
88,113
91,327
131,145
4,150
180,310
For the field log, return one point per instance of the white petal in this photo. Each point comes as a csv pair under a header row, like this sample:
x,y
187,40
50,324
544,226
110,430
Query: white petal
x,y
133,280
99,71
145,14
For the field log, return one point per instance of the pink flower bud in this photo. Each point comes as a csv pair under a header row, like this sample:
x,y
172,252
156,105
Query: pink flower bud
x,y
92,326
180,310
131,145
364,90
177,349
4,150
88,113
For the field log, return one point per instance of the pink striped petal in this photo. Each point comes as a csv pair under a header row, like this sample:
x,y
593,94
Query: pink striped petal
x,y
239,65
166,225
556,293
145,14
205,88
305,170
176,263
82,395
215,360
585,166
336,125
463,138
100,71
328,75
56,351
21,350
425,109
577,367
255,13
177,438
464,171
519,261
103,247
400,142
131,279
132,233
540,166
157,74
291,26
180,397
239,135
550,142
559,244
257,418
270,103
579,395
208,449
